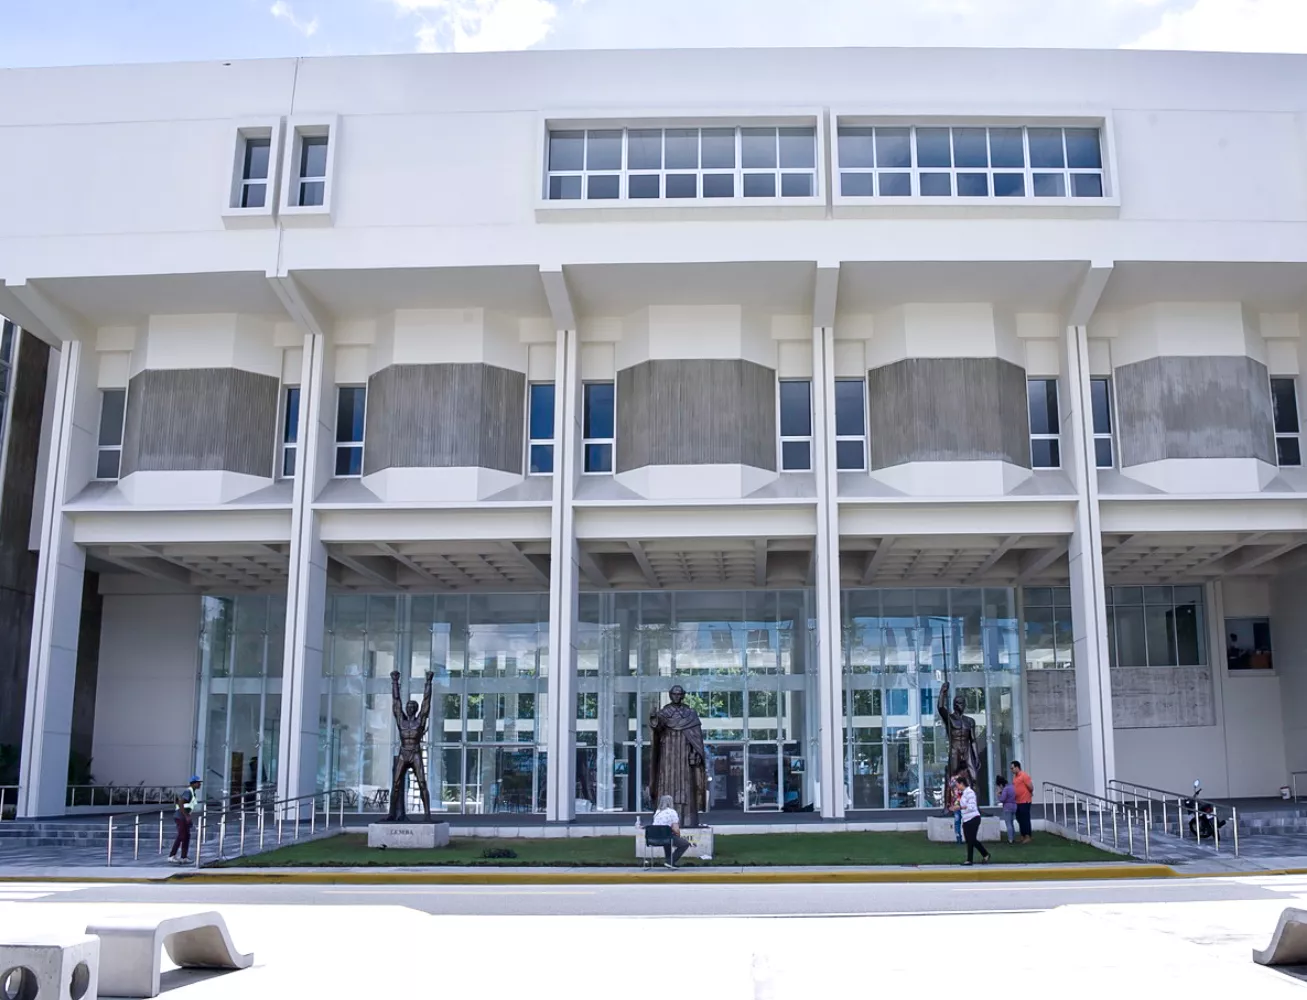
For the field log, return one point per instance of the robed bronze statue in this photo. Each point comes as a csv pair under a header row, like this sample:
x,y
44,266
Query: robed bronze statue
x,y
412,723
961,729
679,759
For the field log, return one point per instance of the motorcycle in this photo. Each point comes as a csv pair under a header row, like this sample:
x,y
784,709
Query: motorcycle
x,y
1203,822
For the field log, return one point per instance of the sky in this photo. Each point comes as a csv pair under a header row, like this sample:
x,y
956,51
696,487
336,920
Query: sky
x,y
71,32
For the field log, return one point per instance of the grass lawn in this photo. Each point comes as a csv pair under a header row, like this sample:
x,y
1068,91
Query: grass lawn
x,y
351,850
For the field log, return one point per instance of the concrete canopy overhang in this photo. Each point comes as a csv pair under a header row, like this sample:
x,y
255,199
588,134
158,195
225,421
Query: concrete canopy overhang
x,y
1269,286
1195,557
776,287
696,563
360,293
472,566
218,568
962,560
1047,286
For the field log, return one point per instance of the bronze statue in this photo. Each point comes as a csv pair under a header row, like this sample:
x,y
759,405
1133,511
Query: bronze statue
x,y
961,729
412,723
677,766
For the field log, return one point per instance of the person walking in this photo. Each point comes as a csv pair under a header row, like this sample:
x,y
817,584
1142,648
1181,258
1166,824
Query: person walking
x,y
182,811
1007,798
1025,789
971,821
667,816
954,789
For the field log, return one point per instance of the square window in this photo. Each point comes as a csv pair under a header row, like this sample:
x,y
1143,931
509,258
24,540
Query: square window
x,y
349,461
542,459
760,185
1087,185
312,193
796,185
1045,454
758,148
1289,451
599,458
796,456
682,186
254,195
256,159
971,147
107,464
895,185
798,148
1006,148
1009,185
565,188
936,185
850,456
855,146
1049,185
718,149
603,149
566,150
644,186
1046,148
1083,149
857,185
682,149
893,147
644,149
603,187
313,156
719,185
1103,453
973,185
934,148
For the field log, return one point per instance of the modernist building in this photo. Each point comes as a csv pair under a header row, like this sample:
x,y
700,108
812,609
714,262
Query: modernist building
x,y
804,379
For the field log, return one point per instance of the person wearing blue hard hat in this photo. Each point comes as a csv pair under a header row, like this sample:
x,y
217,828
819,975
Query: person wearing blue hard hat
x,y
185,806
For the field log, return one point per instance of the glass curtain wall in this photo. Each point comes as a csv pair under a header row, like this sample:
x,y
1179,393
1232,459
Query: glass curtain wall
x,y
242,642
486,742
899,647
747,663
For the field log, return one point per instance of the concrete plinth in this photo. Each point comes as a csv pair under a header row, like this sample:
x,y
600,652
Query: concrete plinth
x,y
408,836
940,829
701,845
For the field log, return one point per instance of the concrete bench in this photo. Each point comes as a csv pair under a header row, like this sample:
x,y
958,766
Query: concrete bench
x,y
1289,942
61,967
131,949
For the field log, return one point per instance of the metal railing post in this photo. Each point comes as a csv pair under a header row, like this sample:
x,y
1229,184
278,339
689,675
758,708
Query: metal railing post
x,y
199,842
1234,821
136,838
222,835
280,813
1115,839
242,848
160,831
108,860
313,814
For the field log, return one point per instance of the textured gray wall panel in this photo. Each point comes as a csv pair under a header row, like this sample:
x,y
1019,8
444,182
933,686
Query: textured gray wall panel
x,y
1158,697
696,412
948,410
201,419
1210,407
1051,696
445,416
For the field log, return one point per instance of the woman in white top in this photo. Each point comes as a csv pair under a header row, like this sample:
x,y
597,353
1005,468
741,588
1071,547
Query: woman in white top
x,y
971,820
667,816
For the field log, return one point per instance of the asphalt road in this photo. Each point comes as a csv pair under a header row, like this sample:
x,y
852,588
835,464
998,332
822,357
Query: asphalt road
x,y
707,900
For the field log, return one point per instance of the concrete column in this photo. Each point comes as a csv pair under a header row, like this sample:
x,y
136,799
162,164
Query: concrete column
x,y
52,663
564,576
306,588
1085,558
830,676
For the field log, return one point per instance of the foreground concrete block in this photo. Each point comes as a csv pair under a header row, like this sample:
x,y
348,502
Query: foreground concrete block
x,y
940,829
1289,942
131,949
57,967
701,845
408,836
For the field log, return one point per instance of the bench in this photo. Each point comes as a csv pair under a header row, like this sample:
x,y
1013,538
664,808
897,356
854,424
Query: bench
x,y
1289,942
131,947
57,966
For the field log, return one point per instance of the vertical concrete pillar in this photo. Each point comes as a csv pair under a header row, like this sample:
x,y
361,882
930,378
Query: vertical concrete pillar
x,y
830,679
564,577
52,662
1085,559
306,587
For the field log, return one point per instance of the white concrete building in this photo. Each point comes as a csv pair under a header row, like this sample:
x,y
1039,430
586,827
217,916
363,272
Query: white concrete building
x,y
806,379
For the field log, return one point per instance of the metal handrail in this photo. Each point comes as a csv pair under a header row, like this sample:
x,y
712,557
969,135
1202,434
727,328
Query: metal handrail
x,y
1293,780
1075,803
1164,797
143,795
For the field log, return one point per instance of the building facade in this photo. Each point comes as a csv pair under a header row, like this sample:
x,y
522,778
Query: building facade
x,y
808,380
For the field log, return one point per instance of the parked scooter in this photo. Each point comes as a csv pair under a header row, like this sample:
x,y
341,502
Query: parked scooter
x,y
1202,815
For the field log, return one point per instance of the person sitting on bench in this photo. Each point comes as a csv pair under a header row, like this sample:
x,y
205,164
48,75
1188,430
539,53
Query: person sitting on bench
x,y
667,816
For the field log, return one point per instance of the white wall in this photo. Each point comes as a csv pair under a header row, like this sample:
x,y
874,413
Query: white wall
x,y
145,695
1053,755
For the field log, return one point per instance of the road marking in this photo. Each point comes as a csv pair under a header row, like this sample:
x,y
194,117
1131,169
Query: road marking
x,y
1050,887
15,892
457,892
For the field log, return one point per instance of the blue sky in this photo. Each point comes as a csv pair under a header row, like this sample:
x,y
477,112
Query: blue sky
x,y
66,32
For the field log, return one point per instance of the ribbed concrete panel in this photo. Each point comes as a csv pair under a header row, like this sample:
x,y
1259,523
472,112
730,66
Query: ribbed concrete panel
x,y
948,410
200,420
445,416
1161,697
696,412
1051,699
1194,407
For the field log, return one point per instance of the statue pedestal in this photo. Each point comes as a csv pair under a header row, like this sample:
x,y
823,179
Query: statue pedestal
x,y
940,829
408,836
700,839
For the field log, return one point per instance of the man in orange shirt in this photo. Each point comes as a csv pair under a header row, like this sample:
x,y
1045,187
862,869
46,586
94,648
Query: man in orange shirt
x,y
1025,789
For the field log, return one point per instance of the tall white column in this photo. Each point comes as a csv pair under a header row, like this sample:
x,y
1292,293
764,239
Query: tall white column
x,y
564,576
52,660
1085,559
306,587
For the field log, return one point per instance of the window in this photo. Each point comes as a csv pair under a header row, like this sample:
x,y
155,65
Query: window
x,y
1248,644
597,430
8,345
312,173
113,408
1100,394
648,164
1046,614
1045,441
1156,627
540,429
903,161
290,430
351,412
796,425
850,424
254,173
1284,407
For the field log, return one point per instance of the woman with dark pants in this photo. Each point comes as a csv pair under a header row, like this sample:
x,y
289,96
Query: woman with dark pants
x,y
971,821
181,845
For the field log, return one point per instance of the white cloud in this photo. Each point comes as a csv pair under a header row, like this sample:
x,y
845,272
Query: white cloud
x,y
1233,26
282,11
479,25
